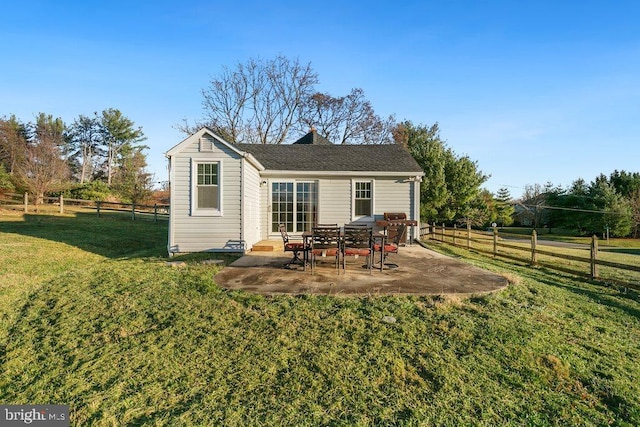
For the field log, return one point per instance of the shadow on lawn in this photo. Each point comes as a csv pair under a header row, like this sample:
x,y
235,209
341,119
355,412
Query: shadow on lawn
x,y
630,251
604,297
113,235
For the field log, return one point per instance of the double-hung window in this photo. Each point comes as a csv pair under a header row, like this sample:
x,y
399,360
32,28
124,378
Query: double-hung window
x,y
206,190
362,198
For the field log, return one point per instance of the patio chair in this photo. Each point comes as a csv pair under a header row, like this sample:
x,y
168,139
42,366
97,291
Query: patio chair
x,y
325,242
357,241
390,246
295,247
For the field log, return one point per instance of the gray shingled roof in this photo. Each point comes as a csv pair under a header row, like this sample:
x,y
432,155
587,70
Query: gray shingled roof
x,y
333,158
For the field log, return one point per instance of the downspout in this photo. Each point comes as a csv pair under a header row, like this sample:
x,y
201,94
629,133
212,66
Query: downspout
x,y
416,207
243,202
170,236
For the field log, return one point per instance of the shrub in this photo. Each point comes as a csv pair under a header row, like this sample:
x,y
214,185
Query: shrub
x,y
94,190
6,184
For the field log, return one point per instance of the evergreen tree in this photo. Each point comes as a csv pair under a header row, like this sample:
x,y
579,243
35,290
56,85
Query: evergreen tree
x,y
85,140
504,207
119,136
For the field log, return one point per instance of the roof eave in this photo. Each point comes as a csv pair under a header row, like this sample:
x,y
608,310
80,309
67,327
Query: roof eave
x,y
274,172
179,147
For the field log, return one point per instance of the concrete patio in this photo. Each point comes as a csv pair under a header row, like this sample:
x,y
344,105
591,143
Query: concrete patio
x,y
420,272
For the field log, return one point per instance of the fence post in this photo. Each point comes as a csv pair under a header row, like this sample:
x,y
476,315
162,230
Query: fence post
x,y
443,232
468,235
594,257
98,208
433,231
534,243
61,204
26,202
133,211
454,234
495,241
155,212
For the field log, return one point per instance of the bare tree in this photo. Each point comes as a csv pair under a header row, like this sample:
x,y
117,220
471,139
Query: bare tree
x,y
42,168
257,102
132,181
225,103
534,200
345,120
634,201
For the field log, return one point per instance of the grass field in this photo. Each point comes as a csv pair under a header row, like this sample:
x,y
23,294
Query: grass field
x,y
92,317
623,252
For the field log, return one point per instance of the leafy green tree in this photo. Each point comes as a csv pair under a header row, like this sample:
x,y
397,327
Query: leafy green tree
x,y
592,208
463,181
481,211
119,136
6,183
617,210
451,184
425,145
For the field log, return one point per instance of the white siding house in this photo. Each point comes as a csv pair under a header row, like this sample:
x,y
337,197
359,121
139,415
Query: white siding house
x,y
227,197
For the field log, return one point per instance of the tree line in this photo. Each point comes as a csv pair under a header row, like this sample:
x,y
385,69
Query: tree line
x,y
96,157
606,204
274,101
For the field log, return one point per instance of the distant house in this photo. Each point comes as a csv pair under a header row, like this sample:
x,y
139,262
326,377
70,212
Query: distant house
x,y
522,215
228,197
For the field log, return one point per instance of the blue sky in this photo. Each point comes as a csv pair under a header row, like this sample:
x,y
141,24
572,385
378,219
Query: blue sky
x,y
534,91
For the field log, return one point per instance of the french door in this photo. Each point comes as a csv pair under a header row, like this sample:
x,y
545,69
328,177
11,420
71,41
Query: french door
x,y
295,205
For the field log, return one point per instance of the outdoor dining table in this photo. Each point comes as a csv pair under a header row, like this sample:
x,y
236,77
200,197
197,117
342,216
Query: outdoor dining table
x,y
307,235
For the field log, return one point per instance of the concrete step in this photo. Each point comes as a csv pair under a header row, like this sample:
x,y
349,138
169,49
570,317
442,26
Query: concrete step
x,y
268,246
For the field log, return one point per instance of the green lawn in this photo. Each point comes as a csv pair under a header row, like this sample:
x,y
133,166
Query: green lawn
x,y
92,317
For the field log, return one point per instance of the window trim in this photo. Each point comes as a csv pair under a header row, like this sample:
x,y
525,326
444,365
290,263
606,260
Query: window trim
x,y
355,217
195,210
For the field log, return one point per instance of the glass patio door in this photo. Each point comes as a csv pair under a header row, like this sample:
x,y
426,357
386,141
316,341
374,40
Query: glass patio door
x,y
297,210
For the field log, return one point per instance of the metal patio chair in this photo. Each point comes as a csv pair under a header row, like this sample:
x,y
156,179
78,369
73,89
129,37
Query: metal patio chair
x,y
294,247
390,246
325,242
357,241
